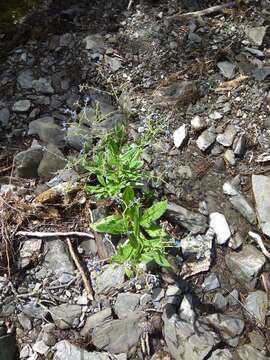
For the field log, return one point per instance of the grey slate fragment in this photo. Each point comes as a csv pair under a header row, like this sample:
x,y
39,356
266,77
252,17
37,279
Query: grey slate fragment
x,y
194,222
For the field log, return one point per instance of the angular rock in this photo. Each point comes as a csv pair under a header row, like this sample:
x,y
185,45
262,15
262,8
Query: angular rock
x,y
66,351
220,302
180,136
240,146
94,42
43,86
24,321
47,131
206,139
29,249
110,277
226,68
256,34
221,228
95,320
226,139
260,74
198,123
194,222
57,259
257,339
126,304
25,79
187,340
247,352
118,336
240,203
40,347
257,304
64,315
211,282
78,135
246,265
229,157
113,62
179,92
53,160
236,241
261,191
111,122
4,117
27,162
21,106
221,354
228,326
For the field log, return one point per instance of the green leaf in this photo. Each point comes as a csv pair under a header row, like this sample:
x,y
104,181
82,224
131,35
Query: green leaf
x,y
123,253
156,231
161,260
153,213
113,224
128,195
101,180
136,220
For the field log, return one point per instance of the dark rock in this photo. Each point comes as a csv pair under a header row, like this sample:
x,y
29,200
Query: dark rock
x,y
53,160
126,304
119,336
48,131
194,222
27,162
64,315
187,340
95,320
4,117
230,327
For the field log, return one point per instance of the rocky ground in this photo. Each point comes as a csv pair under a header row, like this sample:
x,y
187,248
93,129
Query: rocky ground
x,y
201,84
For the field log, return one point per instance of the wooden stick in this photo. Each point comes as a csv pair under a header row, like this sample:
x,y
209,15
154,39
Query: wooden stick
x,y
41,234
208,11
81,271
259,241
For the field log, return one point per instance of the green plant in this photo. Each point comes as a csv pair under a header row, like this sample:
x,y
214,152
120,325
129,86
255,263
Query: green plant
x,y
146,240
115,166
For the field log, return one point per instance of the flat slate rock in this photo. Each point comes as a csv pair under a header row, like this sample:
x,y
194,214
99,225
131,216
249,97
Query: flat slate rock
x,y
246,265
194,222
109,278
257,303
67,351
95,320
188,340
64,315
261,191
119,336
247,352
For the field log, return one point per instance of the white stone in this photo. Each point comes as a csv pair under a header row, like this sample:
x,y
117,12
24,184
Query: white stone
x,y
198,123
206,139
229,157
40,347
220,226
180,135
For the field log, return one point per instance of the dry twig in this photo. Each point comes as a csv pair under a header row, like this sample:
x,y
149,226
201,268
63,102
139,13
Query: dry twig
x,y
81,271
208,11
41,234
